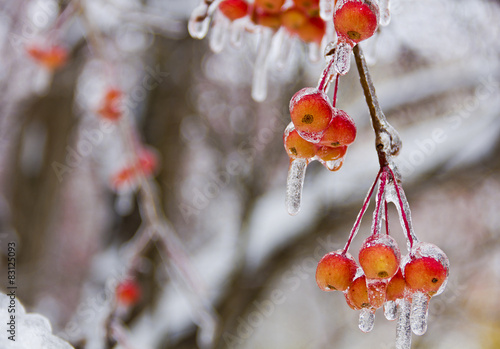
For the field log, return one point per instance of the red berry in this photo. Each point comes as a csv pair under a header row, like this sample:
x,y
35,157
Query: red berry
x,y
269,6
312,30
356,20
311,7
111,107
335,271
128,293
293,19
340,131
357,294
148,161
311,112
379,257
427,269
396,287
270,20
51,57
234,9
296,146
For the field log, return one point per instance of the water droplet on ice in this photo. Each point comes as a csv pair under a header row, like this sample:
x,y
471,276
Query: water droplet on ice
x,y
390,310
403,329
294,184
419,311
343,58
366,320
259,83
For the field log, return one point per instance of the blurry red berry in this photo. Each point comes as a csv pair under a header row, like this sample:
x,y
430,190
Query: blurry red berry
x,y
128,293
270,20
269,6
335,271
51,57
234,9
311,7
293,19
111,105
312,30
356,20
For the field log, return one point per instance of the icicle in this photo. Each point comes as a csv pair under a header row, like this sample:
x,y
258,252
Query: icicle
x,y
343,58
218,36
419,311
294,184
403,329
314,51
390,310
236,30
385,13
124,203
199,22
366,320
259,83
326,9
284,43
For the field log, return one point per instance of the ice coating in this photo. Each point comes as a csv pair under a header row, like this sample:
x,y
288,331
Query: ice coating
x,y
366,320
376,289
378,213
218,36
403,328
326,9
419,311
199,22
329,73
333,165
385,13
285,43
390,310
259,82
343,57
236,30
294,184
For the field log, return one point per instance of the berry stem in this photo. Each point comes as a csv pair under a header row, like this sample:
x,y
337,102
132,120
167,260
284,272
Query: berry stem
x,y
334,101
380,198
327,77
402,207
355,228
386,218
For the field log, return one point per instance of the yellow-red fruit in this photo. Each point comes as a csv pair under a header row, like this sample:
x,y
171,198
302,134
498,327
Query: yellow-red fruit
x,y
310,111
331,153
340,131
293,19
312,30
335,271
270,6
357,294
425,274
234,9
356,20
270,20
311,7
379,257
396,287
298,147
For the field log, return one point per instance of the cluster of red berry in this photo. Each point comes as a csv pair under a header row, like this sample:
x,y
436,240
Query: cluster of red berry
x,y
383,277
302,19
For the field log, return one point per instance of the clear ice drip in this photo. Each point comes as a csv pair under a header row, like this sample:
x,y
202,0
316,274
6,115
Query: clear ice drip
x,y
385,13
236,30
259,83
343,58
419,311
366,320
199,22
294,184
326,9
219,32
403,329
390,310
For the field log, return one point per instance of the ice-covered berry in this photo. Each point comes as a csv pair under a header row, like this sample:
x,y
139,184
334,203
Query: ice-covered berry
x,y
356,20
331,153
396,287
270,20
296,146
311,113
234,9
335,271
293,19
312,30
357,294
379,257
340,131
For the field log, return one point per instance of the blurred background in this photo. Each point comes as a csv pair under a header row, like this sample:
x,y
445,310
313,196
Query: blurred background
x,y
245,267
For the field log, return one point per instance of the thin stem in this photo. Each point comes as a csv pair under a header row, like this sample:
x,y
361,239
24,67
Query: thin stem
x,y
355,228
334,101
386,218
403,212
380,195
326,77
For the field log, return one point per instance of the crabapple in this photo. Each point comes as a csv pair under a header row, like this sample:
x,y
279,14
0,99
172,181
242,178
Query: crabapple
x,y
331,153
356,20
128,292
425,274
340,131
311,7
379,257
270,20
311,112
335,271
357,294
296,146
312,30
234,9
293,19
270,6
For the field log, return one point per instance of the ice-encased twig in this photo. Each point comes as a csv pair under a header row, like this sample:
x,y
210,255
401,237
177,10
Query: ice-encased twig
x,y
294,184
366,320
403,329
419,311
379,207
259,82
